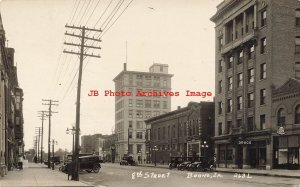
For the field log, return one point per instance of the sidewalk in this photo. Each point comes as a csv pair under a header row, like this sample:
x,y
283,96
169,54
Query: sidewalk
x,y
37,175
274,172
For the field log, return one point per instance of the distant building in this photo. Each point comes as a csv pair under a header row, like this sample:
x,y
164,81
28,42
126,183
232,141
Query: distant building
x,y
131,111
93,144
186,131
257,51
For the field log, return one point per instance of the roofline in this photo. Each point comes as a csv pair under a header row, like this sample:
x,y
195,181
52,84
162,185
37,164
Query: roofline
x,y
140,72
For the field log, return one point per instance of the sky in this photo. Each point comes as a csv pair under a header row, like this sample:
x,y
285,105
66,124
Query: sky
x,y
174,32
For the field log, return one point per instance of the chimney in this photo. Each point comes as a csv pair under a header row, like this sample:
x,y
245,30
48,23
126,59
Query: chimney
x,y
125,66
178,107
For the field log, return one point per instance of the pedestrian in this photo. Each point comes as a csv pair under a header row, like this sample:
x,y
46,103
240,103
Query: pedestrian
x,y
20,162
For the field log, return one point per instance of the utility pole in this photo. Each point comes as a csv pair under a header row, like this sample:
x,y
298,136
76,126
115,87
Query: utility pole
x,y
42,117
50,103
38,132
82,55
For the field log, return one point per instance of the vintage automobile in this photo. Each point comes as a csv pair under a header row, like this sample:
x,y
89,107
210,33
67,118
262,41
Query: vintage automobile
x,y
128,160
175,161
184,165
88,163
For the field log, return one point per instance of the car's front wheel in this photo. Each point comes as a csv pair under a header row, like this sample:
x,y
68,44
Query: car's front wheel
x,y
96,168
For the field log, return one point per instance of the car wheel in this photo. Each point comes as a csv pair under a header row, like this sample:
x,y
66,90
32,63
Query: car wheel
x,y
89,170
96,168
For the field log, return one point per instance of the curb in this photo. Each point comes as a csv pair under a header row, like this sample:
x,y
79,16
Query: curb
x,y
262,174
252,173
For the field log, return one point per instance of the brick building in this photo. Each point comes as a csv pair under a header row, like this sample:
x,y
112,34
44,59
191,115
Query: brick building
x,y
131,111
181,132
286,128
257,50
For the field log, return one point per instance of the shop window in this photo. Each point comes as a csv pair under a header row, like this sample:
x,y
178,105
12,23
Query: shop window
x,y
297,115
222,155
229,154
262,156
280,117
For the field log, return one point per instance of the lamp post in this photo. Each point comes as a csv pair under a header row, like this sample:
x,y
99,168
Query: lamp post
x,y
204,146
53,142
155,149
72,131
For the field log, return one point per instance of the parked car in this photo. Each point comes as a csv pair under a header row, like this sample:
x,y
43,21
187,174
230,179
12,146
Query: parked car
x,y
184,165
88,163
128,160
175,161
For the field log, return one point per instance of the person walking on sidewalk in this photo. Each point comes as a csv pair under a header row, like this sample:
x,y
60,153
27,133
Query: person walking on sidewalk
x,y
20,162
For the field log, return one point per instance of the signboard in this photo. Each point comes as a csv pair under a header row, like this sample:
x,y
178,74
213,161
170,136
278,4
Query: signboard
x,y
280,131
244,142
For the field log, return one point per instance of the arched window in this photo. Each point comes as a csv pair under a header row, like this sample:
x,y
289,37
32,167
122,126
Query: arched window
x,y
280,117
297,114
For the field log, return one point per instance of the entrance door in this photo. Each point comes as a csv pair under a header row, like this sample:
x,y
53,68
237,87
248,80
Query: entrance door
x,y
240,156
252,157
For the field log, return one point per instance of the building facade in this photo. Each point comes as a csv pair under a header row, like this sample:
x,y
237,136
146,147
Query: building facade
x,y
11,110
257,51
131,111
286,129
184,132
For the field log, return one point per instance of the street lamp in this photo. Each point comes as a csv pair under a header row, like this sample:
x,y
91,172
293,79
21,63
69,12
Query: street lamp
x,y
204,145
72,131
53,142
155,149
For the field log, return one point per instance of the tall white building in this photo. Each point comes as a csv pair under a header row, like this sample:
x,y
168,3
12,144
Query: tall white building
x,y
131,111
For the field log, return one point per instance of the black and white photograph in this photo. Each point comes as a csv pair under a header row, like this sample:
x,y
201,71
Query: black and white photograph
x,y
153,93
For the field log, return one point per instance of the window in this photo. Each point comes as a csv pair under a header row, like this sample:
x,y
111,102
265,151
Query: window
x,y
239,122
262,122
147,114
147,80
297,46
251,52
220,65
263,72
241,55
220,108
156,104
230,62
240,79
130,102
297,114
262,96
130,123
263,16
158,134
229,105
164,133
230,83
250,76
280,117
161,68
139,114
139,80
130,112
220,42
220,86
229,127
148,103
139,103
139,135
165,83
156,81
298,18
220,128
130,134
239,103
250,124
250,100
229,154
156,113
263,44
164,104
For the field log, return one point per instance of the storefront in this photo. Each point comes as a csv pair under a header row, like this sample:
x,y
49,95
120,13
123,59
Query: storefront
x,y
286,152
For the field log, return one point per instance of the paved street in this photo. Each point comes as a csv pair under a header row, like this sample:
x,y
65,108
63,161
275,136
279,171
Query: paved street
x,y
115,175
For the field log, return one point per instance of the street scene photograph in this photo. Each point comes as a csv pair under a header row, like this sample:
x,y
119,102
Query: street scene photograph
x,y
130,93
